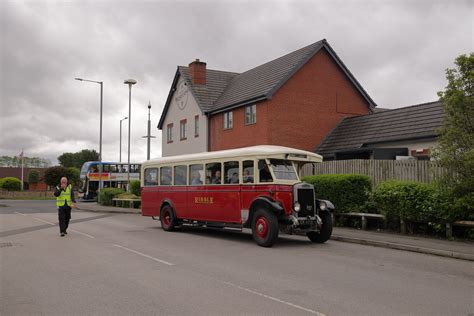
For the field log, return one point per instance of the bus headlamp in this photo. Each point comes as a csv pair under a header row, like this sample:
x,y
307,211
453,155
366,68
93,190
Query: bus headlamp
x,y
323,206
297,207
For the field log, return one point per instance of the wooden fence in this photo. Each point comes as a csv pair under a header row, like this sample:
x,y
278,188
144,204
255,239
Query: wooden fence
x,y
380,170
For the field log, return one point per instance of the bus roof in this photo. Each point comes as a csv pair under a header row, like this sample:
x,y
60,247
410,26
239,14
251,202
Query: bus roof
x,y
261,151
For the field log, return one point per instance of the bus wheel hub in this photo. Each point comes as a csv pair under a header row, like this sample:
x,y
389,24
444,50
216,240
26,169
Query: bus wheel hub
x,y
262,227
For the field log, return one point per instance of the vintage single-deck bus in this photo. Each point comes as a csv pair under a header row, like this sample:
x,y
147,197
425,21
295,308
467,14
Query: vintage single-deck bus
x,y
255,187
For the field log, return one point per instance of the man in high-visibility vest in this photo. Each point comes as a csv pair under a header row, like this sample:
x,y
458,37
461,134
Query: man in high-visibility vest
x,y
64,201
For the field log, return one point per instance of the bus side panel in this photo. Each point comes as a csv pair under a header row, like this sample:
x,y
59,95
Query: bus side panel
x,y
197,203
150,201
223,204
177,196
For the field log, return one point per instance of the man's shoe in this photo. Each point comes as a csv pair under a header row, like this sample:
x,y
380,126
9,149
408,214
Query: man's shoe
x,y
62,234
65,233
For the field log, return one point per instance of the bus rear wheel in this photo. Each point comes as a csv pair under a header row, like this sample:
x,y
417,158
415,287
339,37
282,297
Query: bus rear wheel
x,y
326,229
168,218
265,228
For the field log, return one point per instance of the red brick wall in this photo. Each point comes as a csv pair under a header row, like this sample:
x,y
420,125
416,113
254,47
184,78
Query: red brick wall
x,y
240,135
300,113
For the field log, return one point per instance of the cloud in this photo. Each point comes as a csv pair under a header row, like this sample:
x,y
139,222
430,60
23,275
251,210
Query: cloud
x,y
398,50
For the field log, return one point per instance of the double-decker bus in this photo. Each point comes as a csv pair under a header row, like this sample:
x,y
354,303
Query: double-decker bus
x,y
255,187
114,175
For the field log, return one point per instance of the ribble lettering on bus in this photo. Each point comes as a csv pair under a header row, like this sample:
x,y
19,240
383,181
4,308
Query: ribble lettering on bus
x,y
204,200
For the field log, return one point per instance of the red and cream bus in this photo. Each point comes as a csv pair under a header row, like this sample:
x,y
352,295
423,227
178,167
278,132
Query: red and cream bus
x,y
255,187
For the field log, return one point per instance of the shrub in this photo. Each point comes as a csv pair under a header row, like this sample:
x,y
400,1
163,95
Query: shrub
x,y
408,200
348,192
107,194
135,187
33,177
10,184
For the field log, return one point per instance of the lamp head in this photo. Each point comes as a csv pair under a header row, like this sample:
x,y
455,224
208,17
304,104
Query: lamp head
x,y
130,82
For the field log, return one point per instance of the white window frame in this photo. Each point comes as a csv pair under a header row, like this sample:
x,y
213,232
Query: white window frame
x,y
250,114
196,126
169,133
182,129
228,120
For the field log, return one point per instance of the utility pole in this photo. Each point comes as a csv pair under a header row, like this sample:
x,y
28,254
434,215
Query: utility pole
x,y
148,136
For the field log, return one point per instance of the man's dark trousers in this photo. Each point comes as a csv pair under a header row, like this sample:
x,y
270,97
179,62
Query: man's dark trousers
x,y
64,215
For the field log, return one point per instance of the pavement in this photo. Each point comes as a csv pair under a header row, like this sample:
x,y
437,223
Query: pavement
x,y
438,247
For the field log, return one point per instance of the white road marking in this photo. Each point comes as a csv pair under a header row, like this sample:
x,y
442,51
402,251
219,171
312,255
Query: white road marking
x,y
42,220
38,219
81,233
275,299
144,255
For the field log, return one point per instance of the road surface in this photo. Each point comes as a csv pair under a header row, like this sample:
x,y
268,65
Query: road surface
x,y
125,264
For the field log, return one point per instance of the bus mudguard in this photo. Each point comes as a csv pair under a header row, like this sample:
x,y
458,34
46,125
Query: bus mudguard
x,y
264,202
166,201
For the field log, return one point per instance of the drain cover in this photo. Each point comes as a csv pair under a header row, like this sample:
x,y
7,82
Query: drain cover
x,y
6,244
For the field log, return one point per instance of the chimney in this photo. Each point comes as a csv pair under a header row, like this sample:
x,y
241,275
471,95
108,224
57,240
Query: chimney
x,y
197,70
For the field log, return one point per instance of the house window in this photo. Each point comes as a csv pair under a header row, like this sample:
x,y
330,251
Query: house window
x,y
250,114
182,129
228,120
196,126
169,133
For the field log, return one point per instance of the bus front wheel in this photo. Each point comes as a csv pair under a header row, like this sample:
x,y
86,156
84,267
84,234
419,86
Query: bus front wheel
x,y
265,228
168,218
326,230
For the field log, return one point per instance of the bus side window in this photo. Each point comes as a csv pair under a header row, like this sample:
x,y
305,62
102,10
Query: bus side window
x,y
151,176
195,174
213,173
180,173
165,176
247,168
264,171
231,172
105,168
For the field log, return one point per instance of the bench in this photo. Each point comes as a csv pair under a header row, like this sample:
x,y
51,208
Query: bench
x,y
130,201
449,227
363,216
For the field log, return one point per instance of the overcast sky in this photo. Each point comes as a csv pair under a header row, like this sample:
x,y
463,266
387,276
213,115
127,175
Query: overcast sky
x,y
397,50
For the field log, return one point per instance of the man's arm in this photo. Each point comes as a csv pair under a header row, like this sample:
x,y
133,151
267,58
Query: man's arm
x,y
57,191
72,195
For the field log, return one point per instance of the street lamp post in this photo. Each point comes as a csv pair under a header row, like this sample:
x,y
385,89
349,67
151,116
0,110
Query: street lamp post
x,y
100,132
148,136
120,155
130,83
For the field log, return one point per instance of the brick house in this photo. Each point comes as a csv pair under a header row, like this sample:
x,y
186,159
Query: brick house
x,y
294,100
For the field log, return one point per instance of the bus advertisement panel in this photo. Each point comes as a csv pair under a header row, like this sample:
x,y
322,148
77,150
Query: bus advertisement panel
x,y
255,187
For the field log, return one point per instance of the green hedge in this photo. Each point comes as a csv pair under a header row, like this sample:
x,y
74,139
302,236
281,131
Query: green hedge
x,y
348,192
10,184
408,200
107,194
135,187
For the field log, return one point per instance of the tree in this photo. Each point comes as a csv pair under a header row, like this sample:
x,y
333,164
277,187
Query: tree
x,y
53,175
456,143
67,160
33,177
77,159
